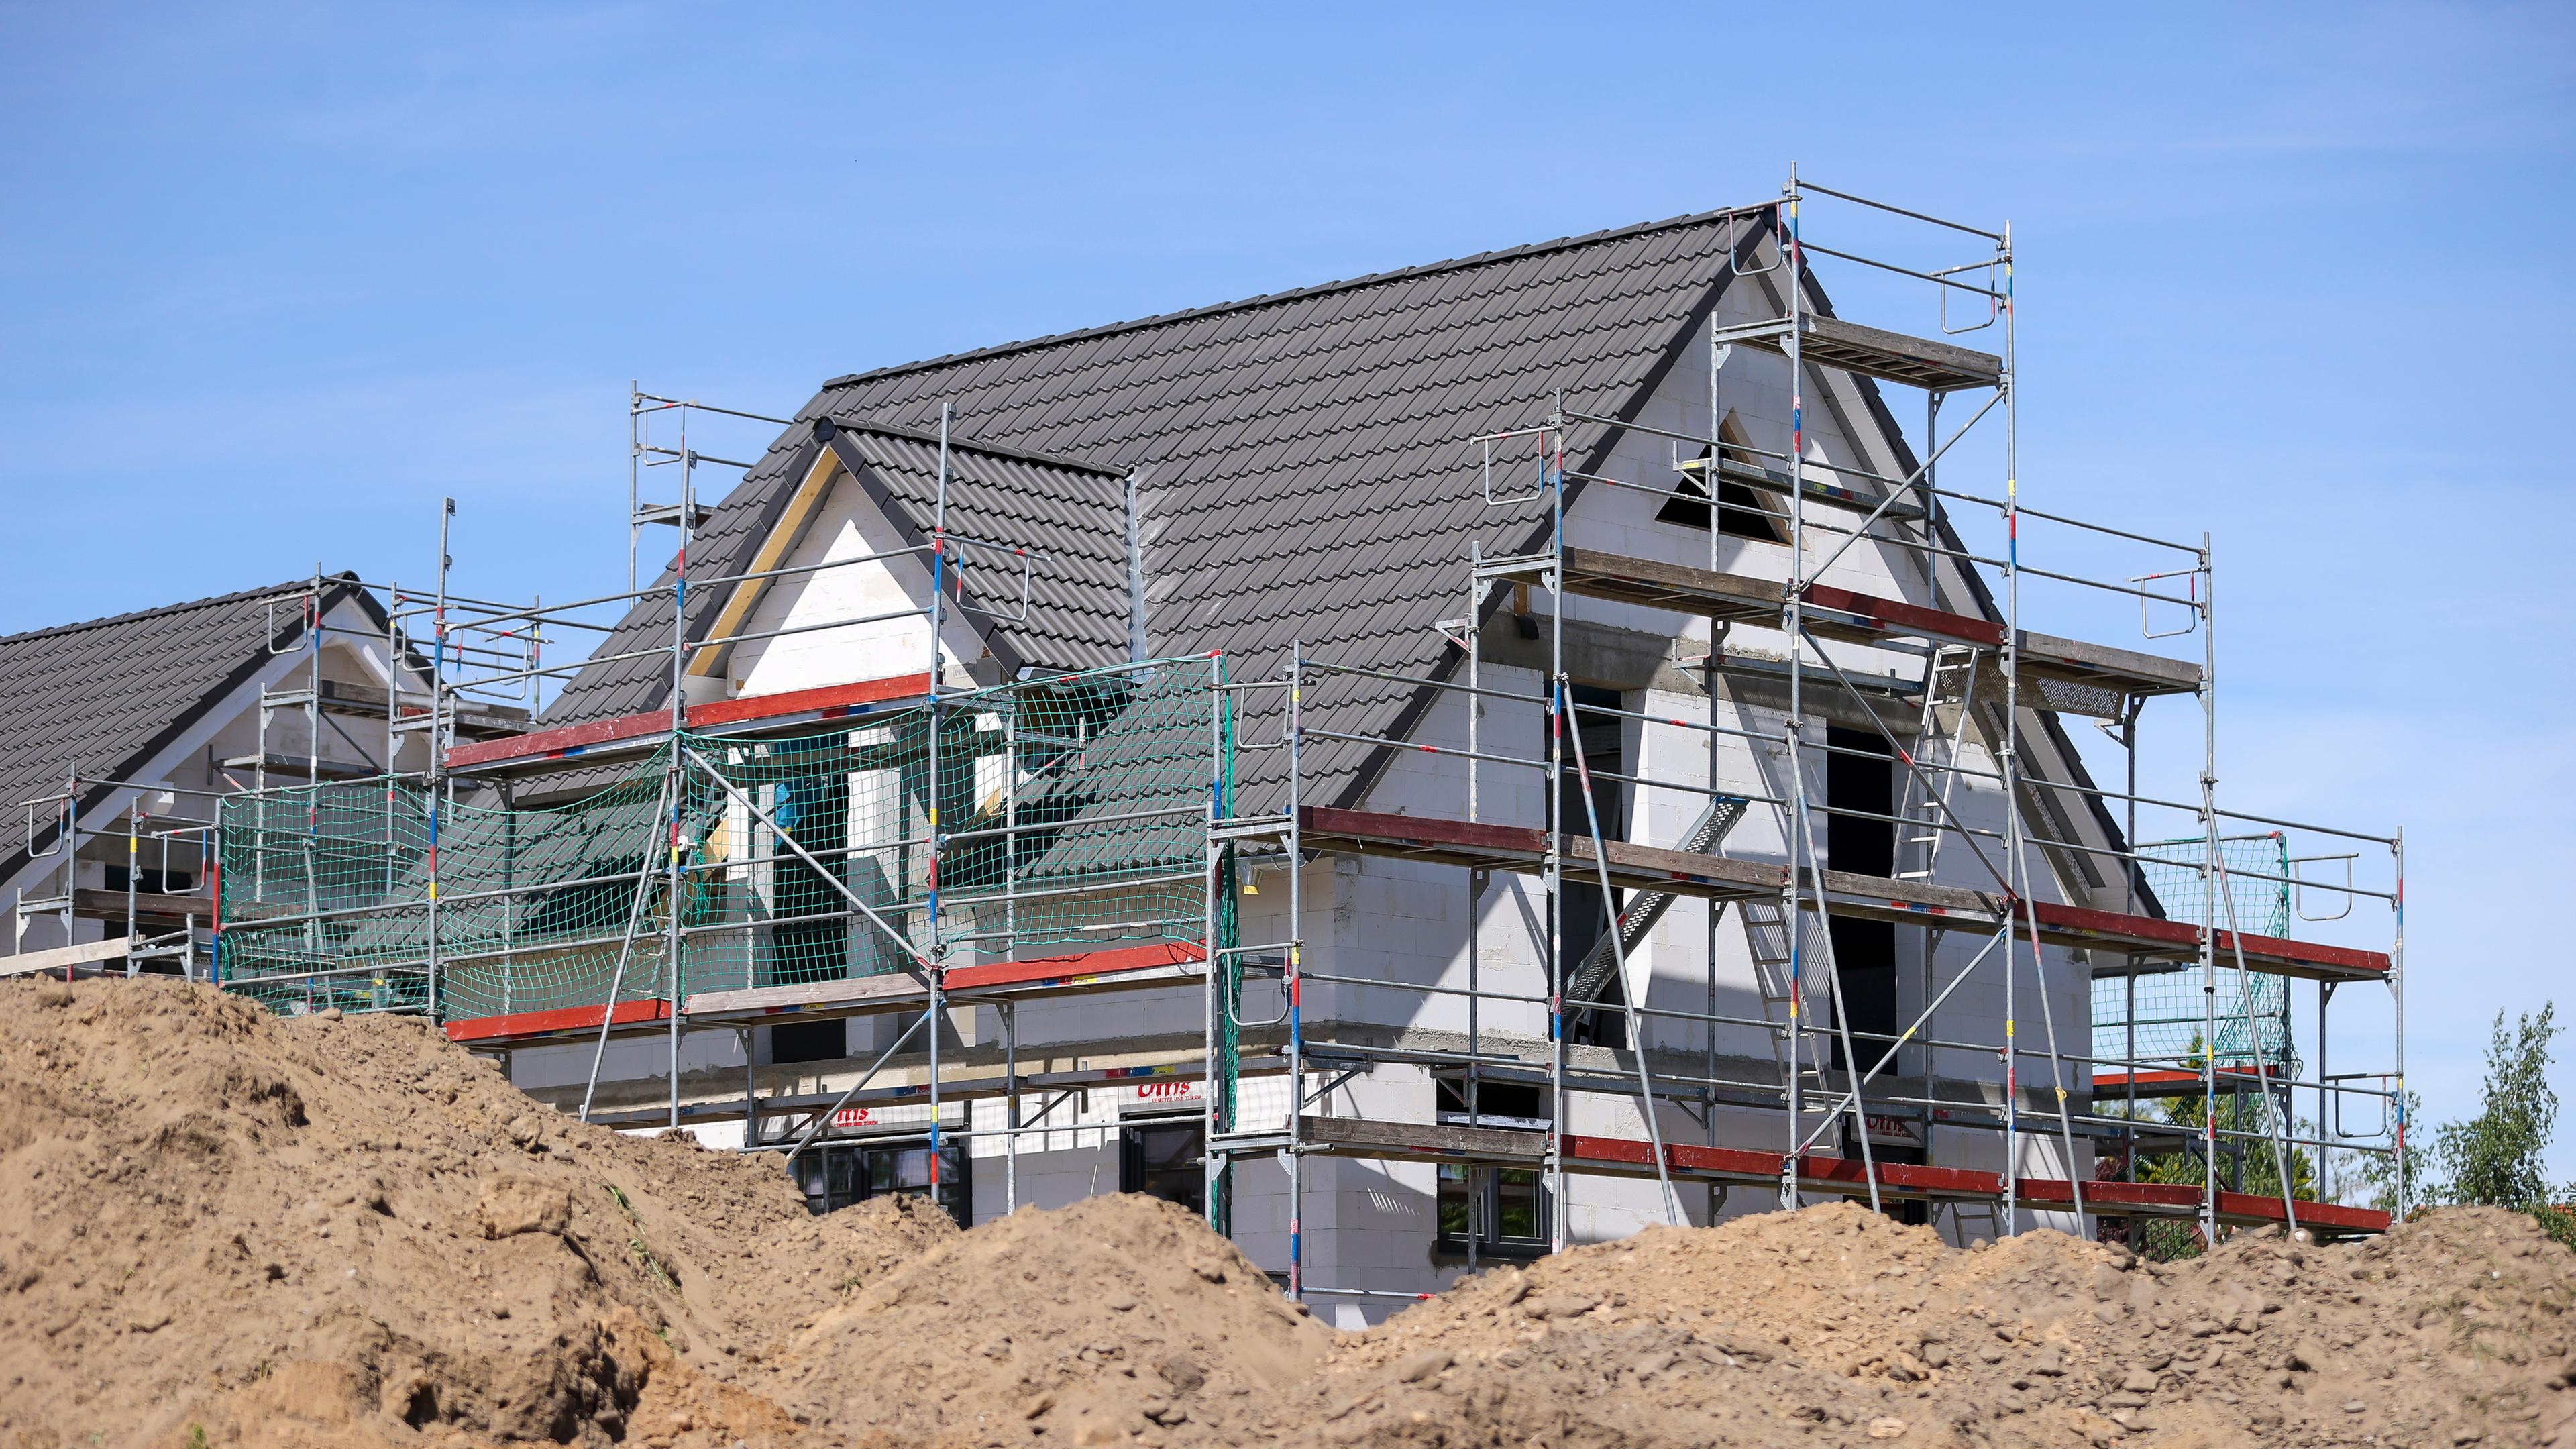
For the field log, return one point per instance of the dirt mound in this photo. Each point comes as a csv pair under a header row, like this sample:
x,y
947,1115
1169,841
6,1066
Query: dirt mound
x,y
1834,1325
1094,1321
211,1218
217,1227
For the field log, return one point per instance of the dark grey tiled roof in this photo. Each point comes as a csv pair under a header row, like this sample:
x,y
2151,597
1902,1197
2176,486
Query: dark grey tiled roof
x,y
1305,468
106,695
1073,515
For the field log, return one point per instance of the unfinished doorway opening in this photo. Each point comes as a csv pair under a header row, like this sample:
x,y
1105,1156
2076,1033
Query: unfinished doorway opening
x,y
1860,837
1587,912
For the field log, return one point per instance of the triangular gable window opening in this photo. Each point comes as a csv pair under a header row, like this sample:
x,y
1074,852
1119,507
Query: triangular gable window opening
x,y
1742,511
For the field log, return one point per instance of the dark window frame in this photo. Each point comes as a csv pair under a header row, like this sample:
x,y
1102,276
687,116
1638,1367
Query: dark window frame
x,y
1137,1174
1513,1105
1452,1211
848,1171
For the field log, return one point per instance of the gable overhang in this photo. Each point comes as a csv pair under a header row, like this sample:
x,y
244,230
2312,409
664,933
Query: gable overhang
x,y
826,455
1006,660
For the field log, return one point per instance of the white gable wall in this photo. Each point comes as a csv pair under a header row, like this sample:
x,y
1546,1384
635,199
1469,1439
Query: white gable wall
x,y
893,642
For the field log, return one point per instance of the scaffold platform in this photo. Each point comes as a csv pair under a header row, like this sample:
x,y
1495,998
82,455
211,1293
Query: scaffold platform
x,y
1840,1176
1851,617
1949,908
1125,968
1870,351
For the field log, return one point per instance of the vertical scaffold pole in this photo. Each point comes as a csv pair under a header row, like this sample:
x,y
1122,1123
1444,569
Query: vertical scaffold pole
x,y
634,461
1212,957
1296,973
438,731
1476,880
937,960
1791,627
2016,869
1559,1191
1220,942
2397,996
2209,885
675,879
1010,1106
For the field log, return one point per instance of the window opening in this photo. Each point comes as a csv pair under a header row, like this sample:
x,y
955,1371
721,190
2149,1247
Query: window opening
x,y
841,1175
1504,1208
1165,1159
1742,510
809,1041
1498,1104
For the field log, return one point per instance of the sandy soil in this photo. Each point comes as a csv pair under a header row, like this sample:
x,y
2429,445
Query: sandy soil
x,y
217,1227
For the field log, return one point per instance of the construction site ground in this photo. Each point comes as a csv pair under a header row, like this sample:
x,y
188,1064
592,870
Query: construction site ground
x,y
219,1227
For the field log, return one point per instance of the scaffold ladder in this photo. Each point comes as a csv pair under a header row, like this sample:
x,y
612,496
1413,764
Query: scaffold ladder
x,y
1949,689
1766,937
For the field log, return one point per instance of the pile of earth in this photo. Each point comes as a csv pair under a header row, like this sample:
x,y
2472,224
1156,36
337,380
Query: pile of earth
x,y
221,1227
1834,1325
218,1224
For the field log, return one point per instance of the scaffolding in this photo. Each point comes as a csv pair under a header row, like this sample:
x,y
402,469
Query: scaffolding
x,y
2242,957
162,892
910,843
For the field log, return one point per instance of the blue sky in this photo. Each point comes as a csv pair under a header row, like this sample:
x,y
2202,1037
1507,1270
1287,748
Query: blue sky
x,y
274,279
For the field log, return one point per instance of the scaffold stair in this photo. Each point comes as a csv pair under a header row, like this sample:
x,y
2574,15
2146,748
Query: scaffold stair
x,y
1645,908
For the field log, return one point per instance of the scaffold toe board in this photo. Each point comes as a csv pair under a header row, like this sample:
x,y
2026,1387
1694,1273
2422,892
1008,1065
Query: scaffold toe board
x,y
92,903
2143,937
1871,352
1645,867
530,1027
1179,1076
2120,1086
1124,967
637,731
1841,1176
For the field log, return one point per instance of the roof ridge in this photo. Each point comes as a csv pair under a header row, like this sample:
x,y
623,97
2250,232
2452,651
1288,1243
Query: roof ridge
x,y
960,441
1267,299
242,596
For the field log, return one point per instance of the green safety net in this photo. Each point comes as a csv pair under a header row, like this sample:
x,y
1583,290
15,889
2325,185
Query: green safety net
x,y
2168,1010
1070,810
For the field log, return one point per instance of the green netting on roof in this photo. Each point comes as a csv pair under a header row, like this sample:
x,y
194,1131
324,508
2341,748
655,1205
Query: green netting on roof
x,y
1072,811
2169,1010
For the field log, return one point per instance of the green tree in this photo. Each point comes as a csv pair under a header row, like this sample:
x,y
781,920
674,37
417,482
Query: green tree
x,y
2499,1157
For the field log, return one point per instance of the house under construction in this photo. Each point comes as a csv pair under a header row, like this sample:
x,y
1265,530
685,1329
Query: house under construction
x,y
1425,769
